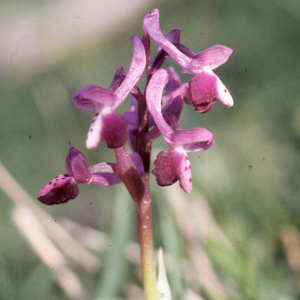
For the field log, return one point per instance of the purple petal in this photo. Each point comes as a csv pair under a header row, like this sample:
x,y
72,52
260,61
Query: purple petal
x,y
135,71
117,80
77,167
138,162
108,126
205,88
174,81
61,189
89,95
175,107
171,166
151,23
105,179
94,135
182,91
213,56
146,43
114,130
161,55
193,140
164,168
132,118
153,97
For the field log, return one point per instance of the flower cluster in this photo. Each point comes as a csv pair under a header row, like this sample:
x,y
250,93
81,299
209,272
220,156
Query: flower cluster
x,y
154,113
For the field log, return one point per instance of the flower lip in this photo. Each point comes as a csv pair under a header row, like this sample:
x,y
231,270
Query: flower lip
x,y
61,189
205,88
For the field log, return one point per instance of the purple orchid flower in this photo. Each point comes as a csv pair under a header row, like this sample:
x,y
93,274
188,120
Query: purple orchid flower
x,y
205,87
63,187
173,165
107,124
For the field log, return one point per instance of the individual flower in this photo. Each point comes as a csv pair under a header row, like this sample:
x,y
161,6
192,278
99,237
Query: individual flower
x,y
63,188
205,87
173,165
107,124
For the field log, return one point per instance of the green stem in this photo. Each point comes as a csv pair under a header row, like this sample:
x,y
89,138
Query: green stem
x,y
144,216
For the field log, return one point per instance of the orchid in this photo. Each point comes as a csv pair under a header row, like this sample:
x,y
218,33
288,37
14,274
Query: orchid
x,y
173,165
151,114
108,125
206,87
63,187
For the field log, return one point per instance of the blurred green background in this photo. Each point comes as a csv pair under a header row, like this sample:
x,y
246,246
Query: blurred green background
x,y
245,238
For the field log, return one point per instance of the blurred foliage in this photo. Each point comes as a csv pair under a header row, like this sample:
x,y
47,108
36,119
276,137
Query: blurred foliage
x,y
250,177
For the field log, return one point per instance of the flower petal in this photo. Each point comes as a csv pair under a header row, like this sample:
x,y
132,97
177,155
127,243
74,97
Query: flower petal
x,y
109,126
153,97
175,107
114,130
171,166
213,56
205,88
151,23
117,80
164,168
192,140
135,71
161,55
77,167
105,179
94,134
89,95
61,189
132,118
174,81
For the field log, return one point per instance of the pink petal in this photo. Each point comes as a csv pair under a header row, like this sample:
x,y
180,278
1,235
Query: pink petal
x,y
193,140
135,71
105,179
171,166
151,23
94,134
77,167
107,126
153,97
114,130
205,88
132,118
174,81
61,189
117,80
161,55
89,95
213,56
